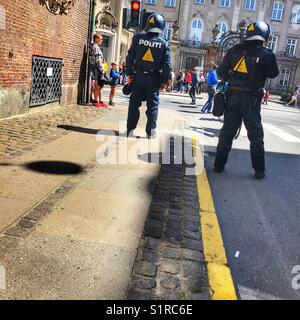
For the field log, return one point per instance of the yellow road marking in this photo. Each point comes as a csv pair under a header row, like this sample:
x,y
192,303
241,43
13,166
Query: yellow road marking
x,y
219,275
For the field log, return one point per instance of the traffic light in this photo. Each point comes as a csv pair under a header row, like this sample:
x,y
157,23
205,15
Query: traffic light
x,y
135,13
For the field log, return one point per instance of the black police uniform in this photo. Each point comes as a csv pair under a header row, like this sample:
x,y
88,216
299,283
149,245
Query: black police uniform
x,y
244,98
149,62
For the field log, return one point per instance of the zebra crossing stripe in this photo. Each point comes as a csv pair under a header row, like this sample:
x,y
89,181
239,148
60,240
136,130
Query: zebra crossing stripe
x,y
281,133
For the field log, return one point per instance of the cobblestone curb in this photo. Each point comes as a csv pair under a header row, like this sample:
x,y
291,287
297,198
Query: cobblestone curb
x,y
170,263
21,134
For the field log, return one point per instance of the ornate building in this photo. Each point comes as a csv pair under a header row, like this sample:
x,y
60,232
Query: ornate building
x,y
191,23
109,17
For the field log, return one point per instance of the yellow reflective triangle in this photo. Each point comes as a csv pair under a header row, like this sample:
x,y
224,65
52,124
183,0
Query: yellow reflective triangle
x,y
241,66
251,27
152,20
148,56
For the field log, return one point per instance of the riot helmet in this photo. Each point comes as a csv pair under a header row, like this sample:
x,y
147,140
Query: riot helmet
x,y
258,31
156,23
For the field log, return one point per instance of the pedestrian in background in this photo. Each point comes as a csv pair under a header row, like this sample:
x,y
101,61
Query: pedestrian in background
x,y
114,79
201,80
188,81
194,85
97,70
212,81
180,79
266,96
295,97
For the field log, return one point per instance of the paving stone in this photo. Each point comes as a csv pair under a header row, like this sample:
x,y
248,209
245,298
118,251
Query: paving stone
x,y
153,232
154,223
171,253
173,233
169,281
167,294
157,216
39,212
191,227
192,244
146,269
193,269
25,223
174,217
170,266
142,282
192,255
18,231
192,235
150,255
195,284
200,296
136,294
151,243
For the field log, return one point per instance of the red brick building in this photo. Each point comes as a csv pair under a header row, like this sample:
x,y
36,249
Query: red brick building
x,y
42,52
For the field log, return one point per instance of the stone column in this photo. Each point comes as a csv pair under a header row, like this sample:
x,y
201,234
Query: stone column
x,y
119,31
236,15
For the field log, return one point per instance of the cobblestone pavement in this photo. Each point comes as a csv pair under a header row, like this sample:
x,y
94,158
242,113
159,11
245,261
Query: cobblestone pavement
x,y
170,262
21,134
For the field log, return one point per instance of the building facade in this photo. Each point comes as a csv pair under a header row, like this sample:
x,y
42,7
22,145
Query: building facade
x,y
192,21
44,47
42,52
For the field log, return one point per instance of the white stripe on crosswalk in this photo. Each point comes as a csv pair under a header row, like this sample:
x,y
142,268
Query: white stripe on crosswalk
x,y
280,133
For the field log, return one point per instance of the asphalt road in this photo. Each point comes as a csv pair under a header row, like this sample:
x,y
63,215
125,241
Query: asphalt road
x,y
259,219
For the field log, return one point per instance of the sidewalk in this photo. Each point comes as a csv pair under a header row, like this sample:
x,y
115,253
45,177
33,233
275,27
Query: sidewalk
x,y
72,230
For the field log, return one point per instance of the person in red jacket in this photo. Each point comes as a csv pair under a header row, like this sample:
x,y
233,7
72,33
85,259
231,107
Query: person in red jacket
x,y
188,81
266,96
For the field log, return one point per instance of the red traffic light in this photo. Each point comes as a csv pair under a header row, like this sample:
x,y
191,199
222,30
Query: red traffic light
x,y
135,5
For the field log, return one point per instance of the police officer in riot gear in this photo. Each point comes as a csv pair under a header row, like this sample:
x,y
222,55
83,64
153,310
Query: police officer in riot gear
x,y
148,68
246,67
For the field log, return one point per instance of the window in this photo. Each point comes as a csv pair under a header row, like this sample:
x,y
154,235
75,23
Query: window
x,y
225,3
151,1
170,3
273,43
296,14
167,34
250,4
277,11
199,1
222,26
196,30
291,46
284,77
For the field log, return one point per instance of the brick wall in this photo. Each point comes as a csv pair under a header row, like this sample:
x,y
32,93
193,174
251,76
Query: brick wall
x,y
28,29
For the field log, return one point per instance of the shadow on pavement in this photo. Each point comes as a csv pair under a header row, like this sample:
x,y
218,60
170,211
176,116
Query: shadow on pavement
x,y
106,132
54,167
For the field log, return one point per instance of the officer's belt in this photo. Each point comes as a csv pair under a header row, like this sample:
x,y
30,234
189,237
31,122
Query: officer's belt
x,y
147,72
240,89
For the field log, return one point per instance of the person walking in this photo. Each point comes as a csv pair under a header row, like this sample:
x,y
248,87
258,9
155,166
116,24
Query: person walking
x,y
188,81
212,81
114,76
148,65
194,85
295,97
246,67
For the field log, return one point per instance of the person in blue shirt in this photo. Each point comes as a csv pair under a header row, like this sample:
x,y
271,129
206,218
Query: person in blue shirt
x,y
212,81
114,76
